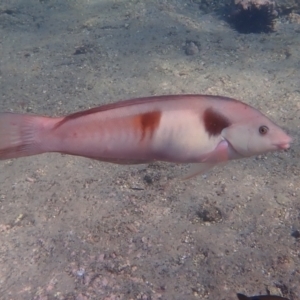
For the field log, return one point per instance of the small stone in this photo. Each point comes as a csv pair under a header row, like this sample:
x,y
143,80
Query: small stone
x,y
296,234
148,179
191,48
210,214
281,199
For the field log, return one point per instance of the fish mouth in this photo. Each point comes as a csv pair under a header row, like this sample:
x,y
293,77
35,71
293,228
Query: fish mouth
x,y
284,145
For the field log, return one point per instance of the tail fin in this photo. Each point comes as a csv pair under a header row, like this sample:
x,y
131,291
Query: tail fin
x,y
20,135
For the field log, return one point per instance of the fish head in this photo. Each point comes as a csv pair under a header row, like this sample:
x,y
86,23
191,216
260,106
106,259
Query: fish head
x,y
255,136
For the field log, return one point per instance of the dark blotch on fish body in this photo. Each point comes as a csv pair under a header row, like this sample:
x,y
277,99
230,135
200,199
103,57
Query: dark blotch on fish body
x,y
214,122
149,122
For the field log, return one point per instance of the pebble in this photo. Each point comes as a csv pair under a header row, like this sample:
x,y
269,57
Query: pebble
x,y
281,199
296,234
191,48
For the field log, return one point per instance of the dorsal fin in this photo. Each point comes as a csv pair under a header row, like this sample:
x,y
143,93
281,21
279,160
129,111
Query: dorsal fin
x,y
138,101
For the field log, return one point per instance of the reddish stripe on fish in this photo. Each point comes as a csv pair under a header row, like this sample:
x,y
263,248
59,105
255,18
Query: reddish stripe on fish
x,y
214,122
148,123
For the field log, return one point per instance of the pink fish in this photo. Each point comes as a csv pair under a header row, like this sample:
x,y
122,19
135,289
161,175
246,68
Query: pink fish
x,y
182,129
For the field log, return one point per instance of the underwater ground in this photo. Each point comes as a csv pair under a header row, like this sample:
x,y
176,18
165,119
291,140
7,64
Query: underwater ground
x,y
73,228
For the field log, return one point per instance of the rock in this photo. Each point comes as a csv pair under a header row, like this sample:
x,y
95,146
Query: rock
x,y
252,16
191,48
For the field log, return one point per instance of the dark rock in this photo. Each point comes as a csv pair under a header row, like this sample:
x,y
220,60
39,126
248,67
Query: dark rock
x,y
209,213
252,16
296,234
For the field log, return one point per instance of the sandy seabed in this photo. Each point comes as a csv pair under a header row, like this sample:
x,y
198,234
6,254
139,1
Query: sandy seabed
x,y
73,228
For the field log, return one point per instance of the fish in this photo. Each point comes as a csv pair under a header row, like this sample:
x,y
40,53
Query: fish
x,y
261,297
203,130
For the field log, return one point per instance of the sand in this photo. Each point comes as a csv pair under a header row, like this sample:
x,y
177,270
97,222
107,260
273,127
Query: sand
x,y
73,228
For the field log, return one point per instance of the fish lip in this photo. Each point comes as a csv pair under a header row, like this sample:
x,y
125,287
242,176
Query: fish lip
x,y
283,146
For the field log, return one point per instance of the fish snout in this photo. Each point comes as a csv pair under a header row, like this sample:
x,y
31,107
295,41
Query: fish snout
x,y
284,144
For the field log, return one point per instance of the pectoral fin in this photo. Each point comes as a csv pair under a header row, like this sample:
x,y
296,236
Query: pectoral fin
x,y
216,157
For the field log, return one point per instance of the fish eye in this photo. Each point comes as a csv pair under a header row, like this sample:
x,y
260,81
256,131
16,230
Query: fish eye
x,y
263,129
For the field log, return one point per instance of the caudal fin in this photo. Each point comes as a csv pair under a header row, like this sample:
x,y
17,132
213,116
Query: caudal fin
x,y
20,135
